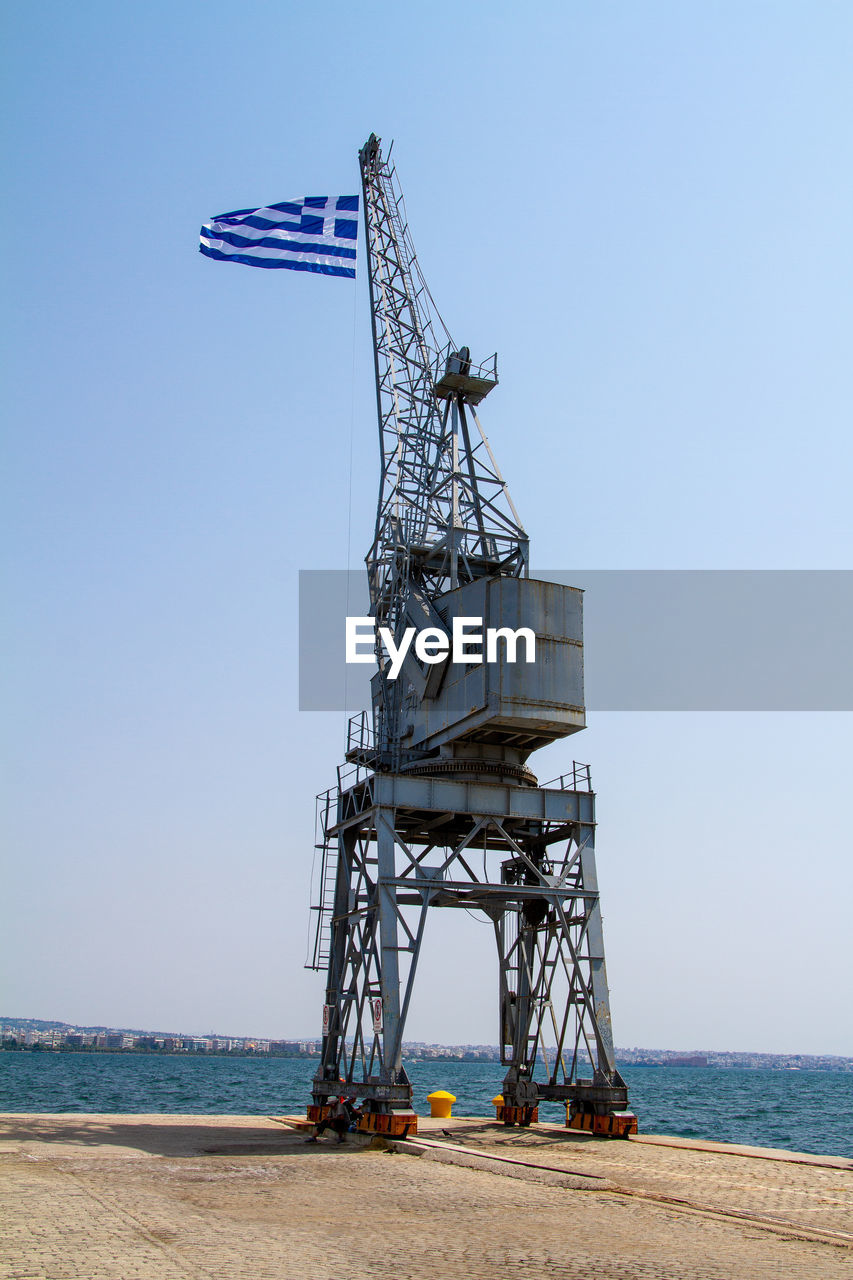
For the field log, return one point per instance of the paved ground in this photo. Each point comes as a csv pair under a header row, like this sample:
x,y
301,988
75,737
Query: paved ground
x,y
165,1197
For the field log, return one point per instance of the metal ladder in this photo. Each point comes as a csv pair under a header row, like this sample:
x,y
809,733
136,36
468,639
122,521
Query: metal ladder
x,y
324,889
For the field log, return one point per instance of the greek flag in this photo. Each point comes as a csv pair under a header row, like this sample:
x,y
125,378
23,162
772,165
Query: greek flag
x,y
313,233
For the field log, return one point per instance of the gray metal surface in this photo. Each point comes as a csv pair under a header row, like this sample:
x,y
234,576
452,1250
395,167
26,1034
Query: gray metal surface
x,y
437,807
520,702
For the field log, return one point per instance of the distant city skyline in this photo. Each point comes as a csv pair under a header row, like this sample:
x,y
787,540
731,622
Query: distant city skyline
x,y
60,1035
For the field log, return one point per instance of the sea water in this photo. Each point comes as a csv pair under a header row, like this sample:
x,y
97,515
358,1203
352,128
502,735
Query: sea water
x,y
796,1110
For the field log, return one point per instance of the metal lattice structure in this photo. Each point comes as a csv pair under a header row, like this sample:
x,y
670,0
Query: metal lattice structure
x,y
436,806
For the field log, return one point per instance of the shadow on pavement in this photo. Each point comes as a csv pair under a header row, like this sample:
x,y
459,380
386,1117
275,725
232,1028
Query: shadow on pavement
x,y
176,1137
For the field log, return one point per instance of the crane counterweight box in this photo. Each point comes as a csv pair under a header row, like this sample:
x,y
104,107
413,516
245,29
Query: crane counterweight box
x,y
520,703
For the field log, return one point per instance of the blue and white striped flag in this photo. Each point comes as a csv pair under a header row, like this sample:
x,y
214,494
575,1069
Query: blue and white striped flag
x,y
314,233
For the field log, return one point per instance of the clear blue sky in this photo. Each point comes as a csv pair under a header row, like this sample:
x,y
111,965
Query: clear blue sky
x,y
647,209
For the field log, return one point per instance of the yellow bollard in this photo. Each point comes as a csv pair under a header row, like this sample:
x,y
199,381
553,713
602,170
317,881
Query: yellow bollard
x,y
498,1100
440,1103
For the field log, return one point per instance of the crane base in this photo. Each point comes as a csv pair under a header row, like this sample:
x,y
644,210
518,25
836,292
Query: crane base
x,y
618,1124
393,1124
317,1114
390,1124
516,1115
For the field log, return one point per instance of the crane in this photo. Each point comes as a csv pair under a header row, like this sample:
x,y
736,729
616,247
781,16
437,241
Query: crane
x,y
436,806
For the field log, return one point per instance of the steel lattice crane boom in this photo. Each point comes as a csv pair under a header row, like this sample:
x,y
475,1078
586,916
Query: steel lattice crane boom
x,y
439,808
444,515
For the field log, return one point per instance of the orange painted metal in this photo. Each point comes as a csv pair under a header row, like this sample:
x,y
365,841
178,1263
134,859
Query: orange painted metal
x,y
318,1113
516,1115
617,1125
393,1124
396,1124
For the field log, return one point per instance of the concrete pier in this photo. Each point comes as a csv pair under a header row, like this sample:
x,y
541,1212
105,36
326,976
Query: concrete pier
x,y
155,1197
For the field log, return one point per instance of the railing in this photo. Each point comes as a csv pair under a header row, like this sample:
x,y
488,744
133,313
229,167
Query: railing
x,y
578,779
359,733
351,774
449,360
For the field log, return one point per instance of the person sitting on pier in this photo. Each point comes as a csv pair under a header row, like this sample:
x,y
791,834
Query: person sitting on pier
x,y
341,1117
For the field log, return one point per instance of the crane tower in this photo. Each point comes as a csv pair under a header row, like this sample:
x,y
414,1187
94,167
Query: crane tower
x,y
436,806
